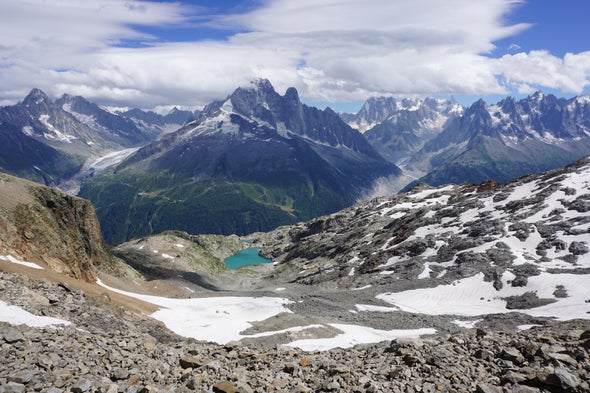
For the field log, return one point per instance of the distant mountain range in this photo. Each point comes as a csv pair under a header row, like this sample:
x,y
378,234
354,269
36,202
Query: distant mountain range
x,y
51,141
399,128
251,162
441,142
259,159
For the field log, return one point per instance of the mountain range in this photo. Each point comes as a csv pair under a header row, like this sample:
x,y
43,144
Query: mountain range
x,y
251,162
53,141
439,142
399,128
258,159
507,140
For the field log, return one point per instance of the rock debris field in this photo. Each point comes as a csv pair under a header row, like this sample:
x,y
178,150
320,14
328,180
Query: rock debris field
x,y
109,349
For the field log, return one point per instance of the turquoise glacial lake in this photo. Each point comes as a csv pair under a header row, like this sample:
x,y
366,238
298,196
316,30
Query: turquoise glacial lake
x,y
248,256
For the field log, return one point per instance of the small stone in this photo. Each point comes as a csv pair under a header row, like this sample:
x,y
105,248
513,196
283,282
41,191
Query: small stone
x,y
224,387
484,354
306,362
148,389
112,388
563,358
512,354
289,368
23,377
119,373
190,362
65,286
514,377
12,335
81,386
52,298
485,388
516,388
55,390
12,387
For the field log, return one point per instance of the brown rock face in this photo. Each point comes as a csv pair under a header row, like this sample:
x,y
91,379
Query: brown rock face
x,y
44,225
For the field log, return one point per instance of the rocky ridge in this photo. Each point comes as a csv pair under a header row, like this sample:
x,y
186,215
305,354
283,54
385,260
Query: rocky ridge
x,y
108,349
536,226
173,252
46,226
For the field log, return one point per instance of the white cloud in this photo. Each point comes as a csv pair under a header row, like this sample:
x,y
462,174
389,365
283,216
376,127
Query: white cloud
x,y
331,50
569,74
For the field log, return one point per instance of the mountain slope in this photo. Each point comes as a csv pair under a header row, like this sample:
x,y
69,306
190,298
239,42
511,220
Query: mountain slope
x,y
466,250
251,162
25,157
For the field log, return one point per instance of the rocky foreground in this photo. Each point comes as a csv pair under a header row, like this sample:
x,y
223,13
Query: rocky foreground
x,y
108,349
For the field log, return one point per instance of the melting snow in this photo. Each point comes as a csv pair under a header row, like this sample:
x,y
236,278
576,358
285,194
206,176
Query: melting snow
x,y
371,308
221,319
466,324
473,296
12,259
17,316
28,131
216,319
353,335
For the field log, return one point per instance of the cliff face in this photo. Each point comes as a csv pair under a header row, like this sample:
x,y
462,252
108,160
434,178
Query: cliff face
x,y
45,226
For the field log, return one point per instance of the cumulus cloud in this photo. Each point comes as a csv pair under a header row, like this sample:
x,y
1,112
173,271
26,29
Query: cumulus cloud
x,y
568,74
331,50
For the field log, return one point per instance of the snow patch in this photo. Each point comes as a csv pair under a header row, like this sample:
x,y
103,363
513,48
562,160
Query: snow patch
x,y
17,316
354,335
12,259
56,134
473,296
466,324
372,308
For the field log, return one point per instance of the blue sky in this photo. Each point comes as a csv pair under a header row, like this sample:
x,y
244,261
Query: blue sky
x,y
159,54
557,26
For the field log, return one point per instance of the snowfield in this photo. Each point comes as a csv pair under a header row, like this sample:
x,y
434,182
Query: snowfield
x,y
216,319
222,319
473,296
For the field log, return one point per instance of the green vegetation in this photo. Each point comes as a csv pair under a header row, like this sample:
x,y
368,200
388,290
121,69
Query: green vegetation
x,y
130,204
